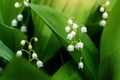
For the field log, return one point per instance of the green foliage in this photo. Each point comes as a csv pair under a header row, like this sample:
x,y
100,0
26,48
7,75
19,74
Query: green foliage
x,y
20,69
5,52
46,21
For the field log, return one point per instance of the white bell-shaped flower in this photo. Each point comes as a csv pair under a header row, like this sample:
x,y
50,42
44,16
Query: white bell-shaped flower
x,y
14,22
70,36
34,56
17,5
83,29
79,45
70,48
70,21
102,23
80,65
73,33
23,28
75,26
19,53
105,15
19,17
102,9
39,64
67,29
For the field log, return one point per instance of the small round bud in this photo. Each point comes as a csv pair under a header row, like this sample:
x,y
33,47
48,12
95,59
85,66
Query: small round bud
x,y
102,23
67,29
19,17
83,29
22,42
19,53
102,9
70,36
79,45
26,3
23,28
34,56
105,15
29,46
107,3
35,39
80,65
39,64
75,26
17,5
70,48
14,22
70,21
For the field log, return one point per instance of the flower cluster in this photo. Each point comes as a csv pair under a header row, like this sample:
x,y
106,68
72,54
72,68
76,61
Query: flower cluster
x,y
32,54
19,17
104,13
73,30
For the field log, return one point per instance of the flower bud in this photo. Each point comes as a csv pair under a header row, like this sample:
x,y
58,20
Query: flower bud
x,y
22,42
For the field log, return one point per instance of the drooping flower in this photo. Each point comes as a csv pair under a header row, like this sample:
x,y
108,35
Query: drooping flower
x,y
70,36
17,5
70,21
79,45
34,56
83,29
19,17
102,9
75,26
105,15
19,53
70,48
67,29
23,28
102,23
14,22
80,65
73,33
39,64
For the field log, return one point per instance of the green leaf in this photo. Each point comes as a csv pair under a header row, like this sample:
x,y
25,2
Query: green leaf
x,y
67,72
110,46
46,39
8,12
57,23
5,52
11,37
71,8
20,69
